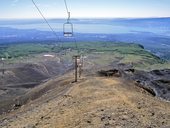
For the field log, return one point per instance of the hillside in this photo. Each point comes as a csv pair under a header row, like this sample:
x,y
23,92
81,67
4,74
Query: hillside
x,y
121,97
92,102
110,51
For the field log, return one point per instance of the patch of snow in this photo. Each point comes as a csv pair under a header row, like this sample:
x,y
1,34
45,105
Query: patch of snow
x,y
49,55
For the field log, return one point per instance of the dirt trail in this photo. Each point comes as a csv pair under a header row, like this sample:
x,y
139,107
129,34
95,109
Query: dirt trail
x,y
94,102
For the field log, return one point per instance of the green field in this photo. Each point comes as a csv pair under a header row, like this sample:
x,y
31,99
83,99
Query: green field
x,y
104,53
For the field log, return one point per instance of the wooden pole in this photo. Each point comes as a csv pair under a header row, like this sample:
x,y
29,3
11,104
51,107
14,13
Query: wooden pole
x,y
76,69
80,70
76,66
3,70
3,65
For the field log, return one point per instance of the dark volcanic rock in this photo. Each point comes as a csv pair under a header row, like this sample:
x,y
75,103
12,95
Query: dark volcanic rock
x,y
19,79
109,73
156,82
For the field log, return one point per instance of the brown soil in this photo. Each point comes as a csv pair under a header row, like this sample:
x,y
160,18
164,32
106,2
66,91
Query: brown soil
x,y
93,102
21,78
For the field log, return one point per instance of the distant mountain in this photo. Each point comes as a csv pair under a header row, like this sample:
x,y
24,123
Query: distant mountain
x,y
12,35
148,39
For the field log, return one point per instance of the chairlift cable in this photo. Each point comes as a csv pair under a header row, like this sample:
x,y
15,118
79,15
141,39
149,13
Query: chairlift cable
x,y
65,2
46,20
68,21
68,12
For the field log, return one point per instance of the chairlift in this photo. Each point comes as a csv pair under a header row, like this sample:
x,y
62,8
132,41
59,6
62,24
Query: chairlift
x,y
68,27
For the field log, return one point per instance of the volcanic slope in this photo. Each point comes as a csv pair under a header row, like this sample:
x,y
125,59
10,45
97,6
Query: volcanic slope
x,y
92,102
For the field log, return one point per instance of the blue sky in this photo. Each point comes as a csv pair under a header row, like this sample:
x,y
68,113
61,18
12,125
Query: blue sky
x,y
85,8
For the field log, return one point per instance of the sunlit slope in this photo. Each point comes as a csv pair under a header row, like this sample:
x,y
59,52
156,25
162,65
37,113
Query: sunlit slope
x,y
93,102
112,53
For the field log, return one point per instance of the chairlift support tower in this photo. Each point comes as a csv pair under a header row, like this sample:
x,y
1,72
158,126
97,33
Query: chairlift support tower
x,y
67,32
76,57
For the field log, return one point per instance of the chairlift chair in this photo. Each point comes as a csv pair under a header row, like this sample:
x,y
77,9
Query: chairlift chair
x,y
68,29
68,26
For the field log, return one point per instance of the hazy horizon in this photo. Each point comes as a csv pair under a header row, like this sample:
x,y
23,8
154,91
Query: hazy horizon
x,y
74,18
19,9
